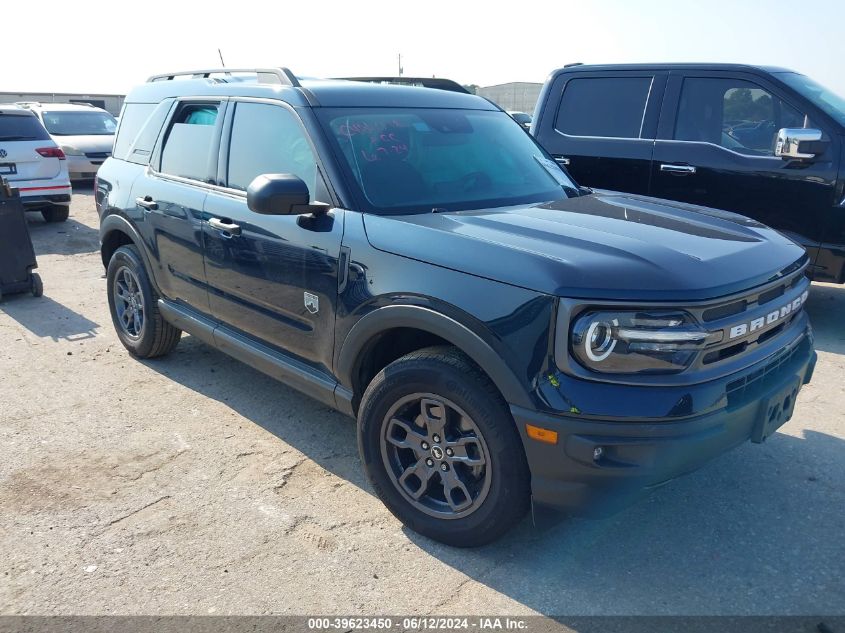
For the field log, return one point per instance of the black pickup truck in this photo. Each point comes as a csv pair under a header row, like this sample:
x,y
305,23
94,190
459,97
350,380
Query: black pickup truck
x,y
763,142
412,257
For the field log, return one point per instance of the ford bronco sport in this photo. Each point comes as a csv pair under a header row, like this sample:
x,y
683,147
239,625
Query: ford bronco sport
x,y
411,257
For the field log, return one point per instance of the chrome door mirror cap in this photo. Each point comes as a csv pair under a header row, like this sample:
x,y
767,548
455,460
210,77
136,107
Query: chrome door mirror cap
x,y
789,141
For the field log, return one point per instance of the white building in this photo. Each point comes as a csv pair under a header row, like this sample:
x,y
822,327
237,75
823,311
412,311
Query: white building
x,y
518,95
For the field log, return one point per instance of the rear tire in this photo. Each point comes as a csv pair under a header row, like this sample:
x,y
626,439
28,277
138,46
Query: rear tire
x,y
56,213
133,304
441,449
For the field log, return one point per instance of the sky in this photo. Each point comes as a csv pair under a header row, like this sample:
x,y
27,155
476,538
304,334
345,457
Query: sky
x,y
91,46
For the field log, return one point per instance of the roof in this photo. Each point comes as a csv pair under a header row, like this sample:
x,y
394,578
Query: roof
x,y
310,92
580,68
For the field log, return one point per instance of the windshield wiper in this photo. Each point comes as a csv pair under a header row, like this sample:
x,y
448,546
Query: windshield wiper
x,y
18,138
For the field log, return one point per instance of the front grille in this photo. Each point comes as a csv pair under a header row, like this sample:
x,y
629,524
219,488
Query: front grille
x,y
741,324
743,389
102,155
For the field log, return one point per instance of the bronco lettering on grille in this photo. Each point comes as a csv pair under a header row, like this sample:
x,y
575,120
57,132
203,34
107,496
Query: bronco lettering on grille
x,y
775,315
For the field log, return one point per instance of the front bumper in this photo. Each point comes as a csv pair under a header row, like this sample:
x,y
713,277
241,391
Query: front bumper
x,y
636,455
83,167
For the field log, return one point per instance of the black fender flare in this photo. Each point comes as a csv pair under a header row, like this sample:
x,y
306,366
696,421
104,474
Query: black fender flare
x,y
115,222
433,322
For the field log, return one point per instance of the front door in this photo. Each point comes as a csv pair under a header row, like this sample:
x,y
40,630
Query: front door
x,y
715,148
272,278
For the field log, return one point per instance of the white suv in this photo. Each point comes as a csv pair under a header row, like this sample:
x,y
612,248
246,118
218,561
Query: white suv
x,y
84,132
32,161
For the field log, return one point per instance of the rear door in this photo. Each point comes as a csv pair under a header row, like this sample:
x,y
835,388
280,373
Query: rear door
x,y
715,147
170,196
601,126
21,136
272,278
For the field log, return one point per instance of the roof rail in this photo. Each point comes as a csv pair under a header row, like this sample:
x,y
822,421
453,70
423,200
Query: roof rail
x,y
26,104
425,82
573,64
281,75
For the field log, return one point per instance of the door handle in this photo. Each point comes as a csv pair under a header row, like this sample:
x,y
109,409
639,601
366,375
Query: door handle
x,y
562,160
224,226
678,169
147,202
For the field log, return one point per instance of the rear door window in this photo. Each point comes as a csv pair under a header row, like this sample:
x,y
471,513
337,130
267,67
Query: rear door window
x,y
604,106
733,113
187,148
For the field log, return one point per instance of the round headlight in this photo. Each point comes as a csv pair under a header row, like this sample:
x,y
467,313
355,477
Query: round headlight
x,y
599,341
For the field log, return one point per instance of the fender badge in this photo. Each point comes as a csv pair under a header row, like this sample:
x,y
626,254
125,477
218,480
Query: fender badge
x,y
312,303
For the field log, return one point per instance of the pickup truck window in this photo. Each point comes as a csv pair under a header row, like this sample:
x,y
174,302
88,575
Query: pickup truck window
x,y
415,160
604,106
735,114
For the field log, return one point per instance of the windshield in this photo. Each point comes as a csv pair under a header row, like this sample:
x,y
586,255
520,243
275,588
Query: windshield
x,y
71,123
414,160
826,100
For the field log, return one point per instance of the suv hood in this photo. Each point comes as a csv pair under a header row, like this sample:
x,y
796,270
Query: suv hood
x,y
600,246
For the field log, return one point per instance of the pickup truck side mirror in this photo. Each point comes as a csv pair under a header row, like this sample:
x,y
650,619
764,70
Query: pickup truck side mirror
x,y
281,194
799,143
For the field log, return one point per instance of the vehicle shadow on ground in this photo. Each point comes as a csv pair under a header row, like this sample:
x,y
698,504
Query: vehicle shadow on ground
x,y
61,238
756,531
45,318
826,306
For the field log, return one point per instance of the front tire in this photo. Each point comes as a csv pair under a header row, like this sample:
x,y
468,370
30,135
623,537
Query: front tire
x,y
133,304
441,449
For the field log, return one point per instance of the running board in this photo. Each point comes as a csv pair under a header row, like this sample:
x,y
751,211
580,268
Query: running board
x,y
282,367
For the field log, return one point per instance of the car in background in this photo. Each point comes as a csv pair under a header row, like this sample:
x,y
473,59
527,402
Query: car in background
x,y
763,142
33,163
84,132
521,117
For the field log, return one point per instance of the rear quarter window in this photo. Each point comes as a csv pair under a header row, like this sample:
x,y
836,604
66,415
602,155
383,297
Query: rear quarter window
x,y
132,119
603,106
21,127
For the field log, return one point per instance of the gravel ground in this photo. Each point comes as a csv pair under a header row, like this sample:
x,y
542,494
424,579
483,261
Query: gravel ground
x,y
195,485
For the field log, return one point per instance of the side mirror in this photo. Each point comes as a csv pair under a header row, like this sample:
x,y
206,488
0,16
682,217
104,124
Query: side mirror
x,y
799,143
281,194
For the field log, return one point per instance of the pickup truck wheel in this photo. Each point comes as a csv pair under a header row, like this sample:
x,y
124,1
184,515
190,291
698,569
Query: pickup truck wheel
x,y
134,307
441,449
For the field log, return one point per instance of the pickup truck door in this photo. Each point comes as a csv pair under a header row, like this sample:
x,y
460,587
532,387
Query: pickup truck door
x,y
273,279
601,126
715,147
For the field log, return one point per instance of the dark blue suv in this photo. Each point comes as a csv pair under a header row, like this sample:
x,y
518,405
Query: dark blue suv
x,y
411,257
